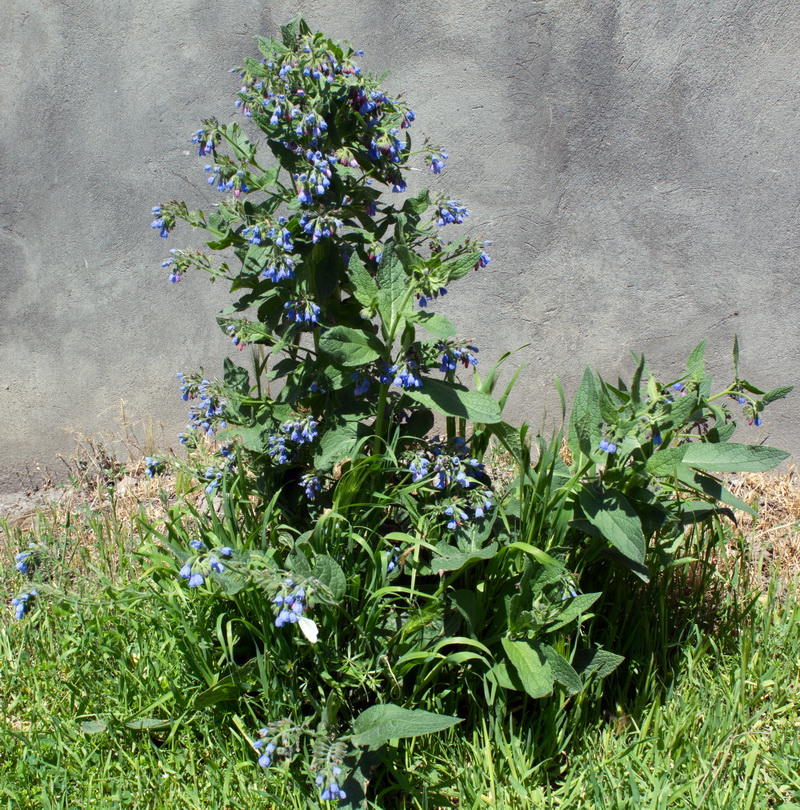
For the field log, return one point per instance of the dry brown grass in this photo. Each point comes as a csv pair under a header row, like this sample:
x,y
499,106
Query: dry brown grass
x,y
772,540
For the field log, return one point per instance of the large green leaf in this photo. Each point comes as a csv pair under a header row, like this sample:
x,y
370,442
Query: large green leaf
x,y
94,726
456,400
531,666
777,393
330,574
695,366
364,287
436,324
236,377
338,443
732,457
563,672
380,724
586,419
462,265
450,558
664,462
713,488
393,281
350,347
599,663
616,520
573,608
150,724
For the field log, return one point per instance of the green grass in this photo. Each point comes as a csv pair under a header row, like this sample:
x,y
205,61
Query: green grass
x,y
714,723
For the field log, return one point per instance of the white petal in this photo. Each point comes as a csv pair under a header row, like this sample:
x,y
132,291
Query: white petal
x,y
309,628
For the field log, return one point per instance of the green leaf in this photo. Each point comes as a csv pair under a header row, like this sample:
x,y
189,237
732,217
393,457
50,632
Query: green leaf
x,y
364,287
678,412
436,324
461,266
585,420
563,672
450,558
732,457
777,393
456,400
252,438
721,433
419,204
505,677
380,724
350,347
150,724
93,726
713,488
337,444
695,366
393,281
236,377
664,462
572,609
618,523
466,603
636,383
736,356
531,666
330,574
256,260
599,663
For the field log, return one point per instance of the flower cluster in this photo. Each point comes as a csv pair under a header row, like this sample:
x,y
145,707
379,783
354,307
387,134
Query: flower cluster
x,y
198,568
289,603
277,739
206,415
281,93
437,161
607,446
311,485
153,466
450,212
394,560
362,383
227,178
454,353
26,559
302,429
302,310
205,141
160,223
331,792
22,600
402,374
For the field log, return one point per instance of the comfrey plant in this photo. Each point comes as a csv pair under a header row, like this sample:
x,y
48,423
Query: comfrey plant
x,y
370,574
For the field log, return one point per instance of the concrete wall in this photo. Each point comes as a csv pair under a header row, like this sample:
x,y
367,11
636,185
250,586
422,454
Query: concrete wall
x,y
634,161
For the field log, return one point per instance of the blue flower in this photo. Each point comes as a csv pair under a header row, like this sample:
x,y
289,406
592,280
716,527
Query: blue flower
x,y
302,311
196,579
311,485
451,212
301,430
23,563
437,163
21,601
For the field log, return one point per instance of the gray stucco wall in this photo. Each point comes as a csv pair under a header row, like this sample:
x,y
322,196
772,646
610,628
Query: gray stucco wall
x,y
635,163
